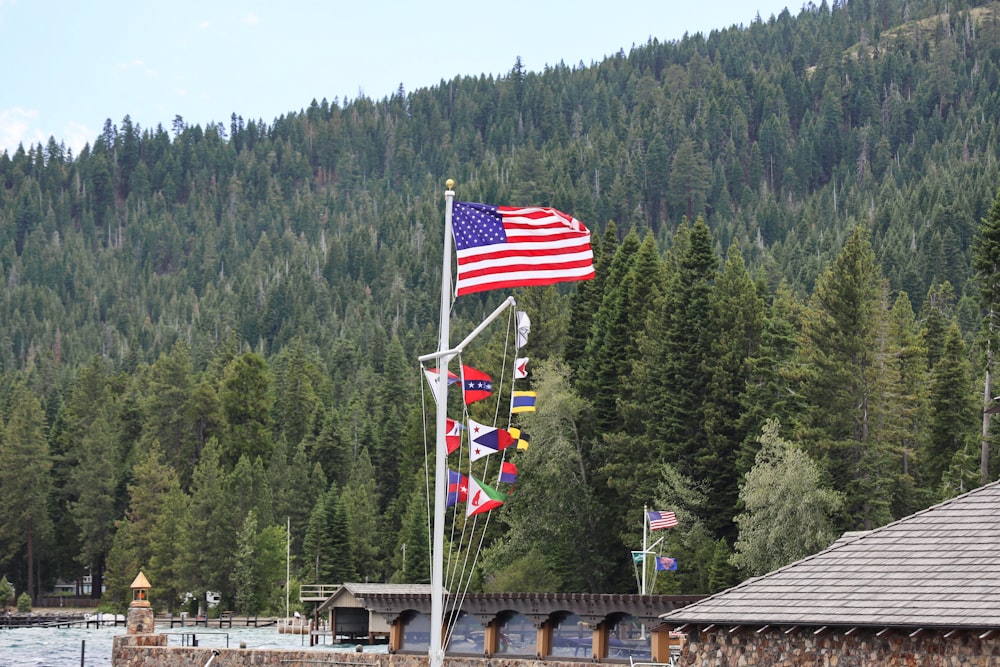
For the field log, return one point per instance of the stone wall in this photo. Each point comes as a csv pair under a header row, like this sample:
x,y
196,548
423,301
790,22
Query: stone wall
x,y
126,655
836,648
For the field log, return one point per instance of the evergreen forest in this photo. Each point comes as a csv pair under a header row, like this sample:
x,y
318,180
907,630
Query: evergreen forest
x,y
209,331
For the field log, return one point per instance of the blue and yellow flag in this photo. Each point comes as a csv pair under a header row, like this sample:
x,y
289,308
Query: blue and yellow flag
x,y
523,401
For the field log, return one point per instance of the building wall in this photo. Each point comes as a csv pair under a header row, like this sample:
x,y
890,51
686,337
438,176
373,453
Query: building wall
x,y
835,648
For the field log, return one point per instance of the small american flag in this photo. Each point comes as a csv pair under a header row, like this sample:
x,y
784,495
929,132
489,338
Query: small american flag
x,y
658,520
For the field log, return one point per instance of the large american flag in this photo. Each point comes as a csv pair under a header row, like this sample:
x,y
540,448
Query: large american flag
x,y
504,246
659,520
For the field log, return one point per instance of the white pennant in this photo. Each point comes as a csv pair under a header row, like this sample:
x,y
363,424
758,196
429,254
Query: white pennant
x,y
523,328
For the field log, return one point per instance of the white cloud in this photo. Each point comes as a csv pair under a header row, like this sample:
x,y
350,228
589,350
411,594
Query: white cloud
x,y
130,65
17,126
77,135
251,18
205,24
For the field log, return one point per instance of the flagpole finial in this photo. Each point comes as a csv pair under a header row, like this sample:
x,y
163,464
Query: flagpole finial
x,y
450,184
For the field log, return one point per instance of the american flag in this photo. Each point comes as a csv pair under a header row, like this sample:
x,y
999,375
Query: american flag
x,y
505,246
658,520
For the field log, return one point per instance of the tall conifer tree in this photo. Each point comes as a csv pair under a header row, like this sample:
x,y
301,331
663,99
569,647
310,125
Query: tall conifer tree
x,y
25,486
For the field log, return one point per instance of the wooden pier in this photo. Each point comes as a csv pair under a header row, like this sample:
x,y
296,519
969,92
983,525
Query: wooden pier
x,y
9,621
224,620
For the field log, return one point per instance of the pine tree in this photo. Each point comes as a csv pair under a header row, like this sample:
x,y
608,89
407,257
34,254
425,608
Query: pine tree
x,y
908,415
297,386
25,486
769,392
327,554
737,321
600,374
412,557
93,481
211,530
245,574
246,404
89,468
360,504
623,458
952,408
675,348
986,263
165,409
841,380
149,540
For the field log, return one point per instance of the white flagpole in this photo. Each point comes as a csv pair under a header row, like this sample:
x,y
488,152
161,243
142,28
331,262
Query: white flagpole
x,y
645,549
288,563
435,650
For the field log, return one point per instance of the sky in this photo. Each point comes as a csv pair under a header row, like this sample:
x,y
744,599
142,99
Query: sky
x,y
66,66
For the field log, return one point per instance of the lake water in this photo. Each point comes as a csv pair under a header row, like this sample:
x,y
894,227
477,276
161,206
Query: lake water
x,y
61,647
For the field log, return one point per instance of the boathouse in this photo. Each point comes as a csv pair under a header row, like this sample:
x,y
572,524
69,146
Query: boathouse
x,y
572,626
351,619
923,590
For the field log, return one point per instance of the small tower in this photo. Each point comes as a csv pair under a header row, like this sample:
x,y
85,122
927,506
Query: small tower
x,y
139,630
140,614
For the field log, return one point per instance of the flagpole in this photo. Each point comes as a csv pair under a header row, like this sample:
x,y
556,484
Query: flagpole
x,y
644,548
288,563
435,650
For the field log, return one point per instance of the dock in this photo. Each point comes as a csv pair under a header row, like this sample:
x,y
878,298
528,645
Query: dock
x,y
10,621
226,619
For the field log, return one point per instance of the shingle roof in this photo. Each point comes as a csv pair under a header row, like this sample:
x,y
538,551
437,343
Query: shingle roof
x,y
938,567
362,590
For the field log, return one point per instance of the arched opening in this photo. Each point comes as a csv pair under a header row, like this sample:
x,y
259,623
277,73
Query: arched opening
x,y
467,636
518,635
571,637
416,632
628,639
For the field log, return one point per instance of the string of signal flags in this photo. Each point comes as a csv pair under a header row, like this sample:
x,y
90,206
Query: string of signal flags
x,y
483,439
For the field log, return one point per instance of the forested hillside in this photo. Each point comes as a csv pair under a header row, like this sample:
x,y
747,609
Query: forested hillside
x,y
209,330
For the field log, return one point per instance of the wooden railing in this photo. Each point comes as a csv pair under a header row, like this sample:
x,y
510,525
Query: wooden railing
x,y
314,592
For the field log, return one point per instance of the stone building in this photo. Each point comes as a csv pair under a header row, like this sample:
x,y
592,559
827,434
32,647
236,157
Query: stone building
x,y
923,590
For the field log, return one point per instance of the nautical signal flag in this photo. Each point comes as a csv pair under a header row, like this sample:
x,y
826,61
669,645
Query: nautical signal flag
x,y
482,498
666,563
508,472
485,440
458,488
521,438
506,246
523,401
523,328
520,368
432,379
476,385
453,435
658,520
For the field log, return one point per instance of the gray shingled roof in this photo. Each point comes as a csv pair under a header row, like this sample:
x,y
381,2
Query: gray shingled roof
x,y
362,589
938,567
